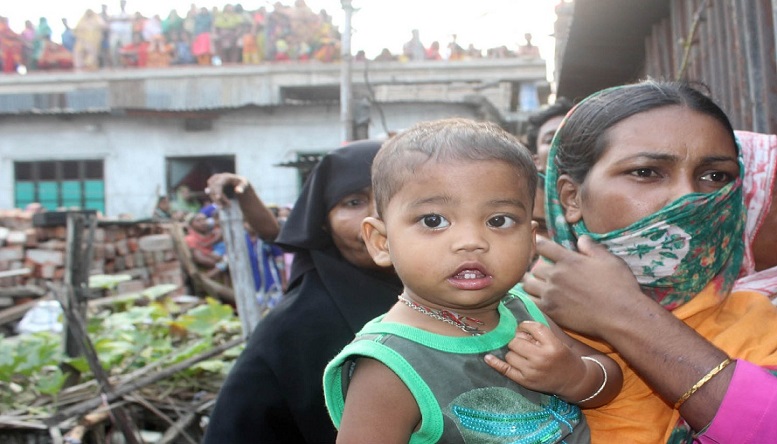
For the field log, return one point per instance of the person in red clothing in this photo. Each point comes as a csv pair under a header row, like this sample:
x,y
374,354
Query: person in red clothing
x,y
10,47
136,53
200,239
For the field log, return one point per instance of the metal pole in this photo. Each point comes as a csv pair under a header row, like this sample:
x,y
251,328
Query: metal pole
x,y
346,113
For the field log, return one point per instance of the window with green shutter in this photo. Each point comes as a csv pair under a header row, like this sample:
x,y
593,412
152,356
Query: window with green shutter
x,y
60,183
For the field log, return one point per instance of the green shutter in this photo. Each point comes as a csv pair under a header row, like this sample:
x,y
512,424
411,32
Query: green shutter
x,y
24,193
94,191
71,194
48,195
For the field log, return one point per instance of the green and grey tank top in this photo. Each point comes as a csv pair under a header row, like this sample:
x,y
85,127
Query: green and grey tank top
x,y
461,398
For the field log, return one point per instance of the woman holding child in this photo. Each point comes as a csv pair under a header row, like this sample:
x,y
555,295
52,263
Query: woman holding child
x,y
454,201
652,172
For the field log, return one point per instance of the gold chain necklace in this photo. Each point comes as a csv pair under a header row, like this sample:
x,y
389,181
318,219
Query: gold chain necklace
x,y
446,316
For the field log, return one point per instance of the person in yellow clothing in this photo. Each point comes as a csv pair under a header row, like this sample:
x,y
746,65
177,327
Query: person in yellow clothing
x,y
89,34
227,25
644,196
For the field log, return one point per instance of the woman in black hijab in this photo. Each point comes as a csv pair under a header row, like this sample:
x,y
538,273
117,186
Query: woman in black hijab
x,y
274,392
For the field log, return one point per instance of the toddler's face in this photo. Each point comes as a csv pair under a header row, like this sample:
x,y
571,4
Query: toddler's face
x,y
460,233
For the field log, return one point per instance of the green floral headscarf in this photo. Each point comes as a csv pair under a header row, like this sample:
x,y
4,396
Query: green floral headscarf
x,y
675,252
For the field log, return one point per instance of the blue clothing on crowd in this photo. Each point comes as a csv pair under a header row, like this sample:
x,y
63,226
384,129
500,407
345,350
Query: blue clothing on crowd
x,y
68,39
267,278
183,54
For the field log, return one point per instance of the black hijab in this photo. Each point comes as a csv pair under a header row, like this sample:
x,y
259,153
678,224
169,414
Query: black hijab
x,y
341,172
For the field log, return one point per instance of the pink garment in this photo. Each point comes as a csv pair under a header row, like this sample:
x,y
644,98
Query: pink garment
x,y
202,45
748,411
759,152
288,259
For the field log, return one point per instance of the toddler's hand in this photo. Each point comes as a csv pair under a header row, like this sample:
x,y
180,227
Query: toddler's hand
x,y
538,360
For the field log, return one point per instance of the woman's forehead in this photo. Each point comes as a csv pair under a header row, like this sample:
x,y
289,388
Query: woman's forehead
x,y
673,130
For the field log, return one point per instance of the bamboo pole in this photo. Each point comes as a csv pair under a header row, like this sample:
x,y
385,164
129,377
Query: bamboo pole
x,y
248,309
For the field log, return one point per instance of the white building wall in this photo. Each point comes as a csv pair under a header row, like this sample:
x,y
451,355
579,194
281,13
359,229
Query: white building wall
x,y
134,149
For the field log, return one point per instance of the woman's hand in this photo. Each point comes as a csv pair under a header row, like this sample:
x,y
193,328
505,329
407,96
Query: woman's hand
x,y
582,290
261,219
219,183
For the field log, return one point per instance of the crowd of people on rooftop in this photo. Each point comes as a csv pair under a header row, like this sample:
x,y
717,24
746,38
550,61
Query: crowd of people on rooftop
x,y
206,37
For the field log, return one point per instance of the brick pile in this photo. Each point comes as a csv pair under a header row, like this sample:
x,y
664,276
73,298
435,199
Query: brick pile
x,y
143,250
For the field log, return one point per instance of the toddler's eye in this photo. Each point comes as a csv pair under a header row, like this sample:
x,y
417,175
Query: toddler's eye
x,y
434,221
501,222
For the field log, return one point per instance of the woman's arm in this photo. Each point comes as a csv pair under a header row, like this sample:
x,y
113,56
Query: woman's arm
x,y
378,407
261,219
668,354
748,410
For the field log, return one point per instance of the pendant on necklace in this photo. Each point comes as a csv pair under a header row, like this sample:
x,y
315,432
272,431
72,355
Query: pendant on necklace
x,y
446,316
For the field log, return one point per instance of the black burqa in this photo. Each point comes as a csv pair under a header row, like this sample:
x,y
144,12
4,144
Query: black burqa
x,y
274,393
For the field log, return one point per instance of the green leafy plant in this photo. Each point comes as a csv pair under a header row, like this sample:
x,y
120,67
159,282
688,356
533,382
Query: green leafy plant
x,y
125,340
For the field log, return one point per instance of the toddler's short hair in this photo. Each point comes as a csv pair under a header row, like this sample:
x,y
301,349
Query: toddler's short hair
x,y
441,141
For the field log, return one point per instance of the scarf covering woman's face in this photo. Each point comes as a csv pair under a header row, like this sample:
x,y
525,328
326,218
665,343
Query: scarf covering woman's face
x,y
652,159
665,196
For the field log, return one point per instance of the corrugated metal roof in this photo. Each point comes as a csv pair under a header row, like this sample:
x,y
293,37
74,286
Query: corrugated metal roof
x,y
80,101
605,44
231,87
732,50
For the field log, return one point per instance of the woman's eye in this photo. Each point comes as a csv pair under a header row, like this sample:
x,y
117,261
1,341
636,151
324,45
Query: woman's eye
x,y
501,222
354,200
717,176
644,172
434,221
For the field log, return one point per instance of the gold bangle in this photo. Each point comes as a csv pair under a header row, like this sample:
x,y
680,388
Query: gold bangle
x,y
701,382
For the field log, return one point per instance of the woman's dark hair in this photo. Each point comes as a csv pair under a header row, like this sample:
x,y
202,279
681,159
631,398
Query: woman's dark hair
x,y
582,138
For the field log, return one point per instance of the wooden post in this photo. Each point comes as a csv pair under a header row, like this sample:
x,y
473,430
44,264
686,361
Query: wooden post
x,y
77,262
74,300
248,308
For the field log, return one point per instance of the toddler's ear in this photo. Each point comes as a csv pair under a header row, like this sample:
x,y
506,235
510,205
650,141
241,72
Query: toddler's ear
x,y
374,235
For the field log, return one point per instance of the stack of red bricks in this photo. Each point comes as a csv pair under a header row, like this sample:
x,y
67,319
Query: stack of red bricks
x,y
142,250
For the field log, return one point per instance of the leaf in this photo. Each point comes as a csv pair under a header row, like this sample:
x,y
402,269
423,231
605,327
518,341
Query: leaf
x,y
192,350
206,319
108,281
111,351
234,352
7,360
51,382
657,235
211,365
158,290
79,363
134,317
38,351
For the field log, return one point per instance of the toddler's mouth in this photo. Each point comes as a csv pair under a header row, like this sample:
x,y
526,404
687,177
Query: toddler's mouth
x,y
469,274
